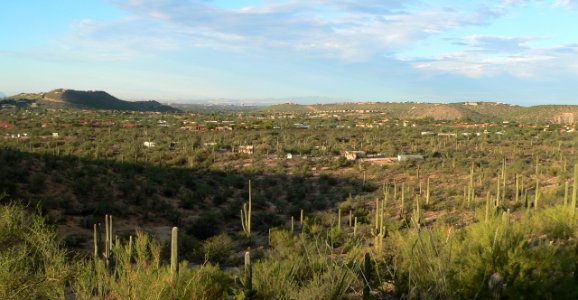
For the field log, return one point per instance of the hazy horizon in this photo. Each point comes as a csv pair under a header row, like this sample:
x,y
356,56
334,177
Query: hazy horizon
x,y
514,51
311,100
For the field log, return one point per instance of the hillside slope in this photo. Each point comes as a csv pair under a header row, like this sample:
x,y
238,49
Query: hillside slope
x,y
557,114
441,112
288,108
62,98
477,111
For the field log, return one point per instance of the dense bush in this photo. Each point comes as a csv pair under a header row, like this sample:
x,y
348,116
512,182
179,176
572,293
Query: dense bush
x,y
32,263
532,255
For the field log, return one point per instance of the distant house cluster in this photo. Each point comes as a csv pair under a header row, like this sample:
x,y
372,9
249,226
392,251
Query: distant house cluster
x,y
377,158
18,136
247,149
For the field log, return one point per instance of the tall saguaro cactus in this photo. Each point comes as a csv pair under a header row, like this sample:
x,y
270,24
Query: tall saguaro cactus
x,y
174,251
246,215
366,276
97,240
248,275
108,240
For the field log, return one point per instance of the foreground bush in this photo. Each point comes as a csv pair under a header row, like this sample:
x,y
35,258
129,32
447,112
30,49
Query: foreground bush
x,y
32,263
533,256
530,256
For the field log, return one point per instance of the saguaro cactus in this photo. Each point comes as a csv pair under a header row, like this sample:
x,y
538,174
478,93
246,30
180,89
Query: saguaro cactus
x,y
498,185
495,286
366,276
471,192
246,215
174,251
402,209
517,195
417,213
248,275
97,240
350,218
427,192
108,241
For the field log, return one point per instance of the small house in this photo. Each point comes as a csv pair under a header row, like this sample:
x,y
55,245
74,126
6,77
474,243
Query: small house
x,y
406,157
447,134
354,155
301,126
249,149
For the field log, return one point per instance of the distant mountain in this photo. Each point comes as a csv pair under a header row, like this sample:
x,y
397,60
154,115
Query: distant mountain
x,y
62,98
476,111
2,95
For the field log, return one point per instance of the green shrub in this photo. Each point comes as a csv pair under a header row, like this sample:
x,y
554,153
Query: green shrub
x,y
32,263
531,254
218,249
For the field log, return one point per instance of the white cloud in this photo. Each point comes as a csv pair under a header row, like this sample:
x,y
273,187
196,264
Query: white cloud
x,y
572,4
495,43
543,63
347,30
566,3
341,29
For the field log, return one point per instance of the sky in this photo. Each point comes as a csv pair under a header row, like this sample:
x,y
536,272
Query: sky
x,y
522,52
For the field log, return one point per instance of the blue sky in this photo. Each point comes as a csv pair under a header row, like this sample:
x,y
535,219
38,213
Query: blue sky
x,y
517,51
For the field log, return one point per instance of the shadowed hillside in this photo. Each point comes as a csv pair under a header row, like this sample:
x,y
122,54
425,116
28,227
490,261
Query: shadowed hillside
x,y
77,192
62,98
